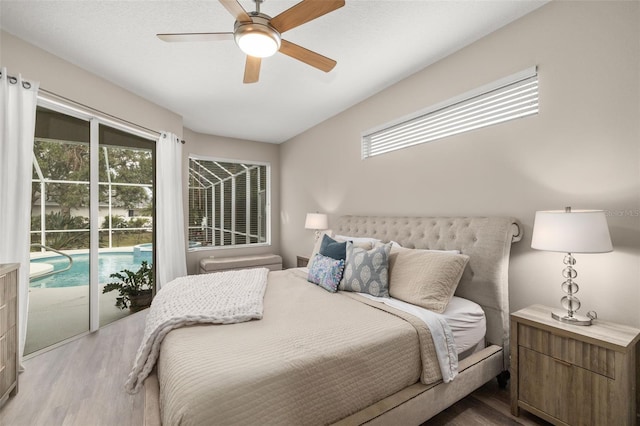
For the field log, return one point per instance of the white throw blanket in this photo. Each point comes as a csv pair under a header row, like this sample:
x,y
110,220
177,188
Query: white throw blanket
x,y
220,298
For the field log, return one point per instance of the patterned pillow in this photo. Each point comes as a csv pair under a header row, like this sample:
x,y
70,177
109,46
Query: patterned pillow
x,y
326,272
367,271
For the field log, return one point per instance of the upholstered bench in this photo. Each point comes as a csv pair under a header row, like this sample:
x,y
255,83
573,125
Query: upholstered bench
x,y
217,264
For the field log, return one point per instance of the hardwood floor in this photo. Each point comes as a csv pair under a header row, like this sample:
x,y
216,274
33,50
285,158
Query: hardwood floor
x,y
81,383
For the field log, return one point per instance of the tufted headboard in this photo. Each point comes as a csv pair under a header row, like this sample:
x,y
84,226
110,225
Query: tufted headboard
x,y
486,240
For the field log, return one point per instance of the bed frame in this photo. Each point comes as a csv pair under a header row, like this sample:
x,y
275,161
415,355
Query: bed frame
x,y
487,241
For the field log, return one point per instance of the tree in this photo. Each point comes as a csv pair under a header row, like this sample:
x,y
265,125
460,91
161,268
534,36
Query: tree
x,y
129,166
69,162
63,162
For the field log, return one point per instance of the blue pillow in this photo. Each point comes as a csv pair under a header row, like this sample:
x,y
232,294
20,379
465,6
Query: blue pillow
x,y
326,272
332,248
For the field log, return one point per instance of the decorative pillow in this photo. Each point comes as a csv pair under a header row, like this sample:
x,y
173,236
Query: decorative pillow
x,y
396,245
362,241
326,272
425,278
365,243
332,248
316,246
367,271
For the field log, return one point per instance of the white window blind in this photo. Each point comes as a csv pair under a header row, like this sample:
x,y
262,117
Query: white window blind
x,y
228,203
513,97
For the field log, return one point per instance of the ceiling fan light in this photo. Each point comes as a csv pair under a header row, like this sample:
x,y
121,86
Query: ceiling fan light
x,y
257,40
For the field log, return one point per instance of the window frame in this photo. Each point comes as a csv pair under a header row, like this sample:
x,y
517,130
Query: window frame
x,y
396,134
268,211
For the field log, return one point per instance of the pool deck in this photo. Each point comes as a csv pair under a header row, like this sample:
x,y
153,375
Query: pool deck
x,y
59,313
56,314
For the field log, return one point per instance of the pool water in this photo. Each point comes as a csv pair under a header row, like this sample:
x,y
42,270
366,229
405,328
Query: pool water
x,y
108,263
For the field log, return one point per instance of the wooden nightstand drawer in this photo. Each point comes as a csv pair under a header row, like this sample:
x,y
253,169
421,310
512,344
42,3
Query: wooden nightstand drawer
x,y
565,391
573,375
591,357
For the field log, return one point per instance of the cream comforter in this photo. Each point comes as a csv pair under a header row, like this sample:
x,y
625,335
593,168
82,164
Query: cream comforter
x,y
314,358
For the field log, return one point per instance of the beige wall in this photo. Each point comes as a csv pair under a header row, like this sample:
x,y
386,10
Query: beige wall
x,y
234,149
581,151
65,79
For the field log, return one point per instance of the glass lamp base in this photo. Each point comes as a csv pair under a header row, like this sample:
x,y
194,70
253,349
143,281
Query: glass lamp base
x,y
575,319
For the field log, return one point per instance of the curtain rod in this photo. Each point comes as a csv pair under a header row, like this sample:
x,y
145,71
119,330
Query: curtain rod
x,y
99,113
27,85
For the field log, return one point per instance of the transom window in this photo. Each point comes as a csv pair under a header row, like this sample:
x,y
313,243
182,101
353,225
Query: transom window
x,y
229,203
512,97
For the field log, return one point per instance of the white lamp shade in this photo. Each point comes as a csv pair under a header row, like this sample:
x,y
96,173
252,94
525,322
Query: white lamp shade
x,y
316,221
576,231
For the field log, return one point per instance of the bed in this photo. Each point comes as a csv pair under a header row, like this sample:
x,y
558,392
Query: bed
x,y
335,358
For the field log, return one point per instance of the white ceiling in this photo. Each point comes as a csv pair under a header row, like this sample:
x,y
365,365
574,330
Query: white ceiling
x,y
376,43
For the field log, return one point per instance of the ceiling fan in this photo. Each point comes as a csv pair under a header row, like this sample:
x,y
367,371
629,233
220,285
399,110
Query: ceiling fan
x,y
258,35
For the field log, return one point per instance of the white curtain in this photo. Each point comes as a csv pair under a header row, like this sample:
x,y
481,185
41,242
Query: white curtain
x,y
170,244
18,99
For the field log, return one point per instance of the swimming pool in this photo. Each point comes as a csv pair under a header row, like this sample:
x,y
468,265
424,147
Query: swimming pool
x,y
108,263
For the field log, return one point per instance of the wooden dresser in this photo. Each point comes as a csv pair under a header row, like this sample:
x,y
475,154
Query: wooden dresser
x,y
8,331
573,375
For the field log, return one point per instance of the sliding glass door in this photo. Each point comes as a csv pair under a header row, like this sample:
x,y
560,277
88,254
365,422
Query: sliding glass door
x,y
60,231
92,216
126,218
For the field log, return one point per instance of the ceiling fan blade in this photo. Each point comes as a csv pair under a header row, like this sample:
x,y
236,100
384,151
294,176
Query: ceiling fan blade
x,y
180,37
252,69
305,11
236,10
307,56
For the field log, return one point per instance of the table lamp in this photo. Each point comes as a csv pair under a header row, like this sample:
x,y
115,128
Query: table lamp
x,y
317,222
571,231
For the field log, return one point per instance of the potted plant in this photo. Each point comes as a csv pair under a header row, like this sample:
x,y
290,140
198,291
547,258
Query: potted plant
x,y
134,287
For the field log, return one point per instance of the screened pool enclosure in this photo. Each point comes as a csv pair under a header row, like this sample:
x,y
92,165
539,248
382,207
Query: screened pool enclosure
x,y
227,202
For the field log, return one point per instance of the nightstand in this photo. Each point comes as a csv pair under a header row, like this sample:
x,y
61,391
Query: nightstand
x,y
573,375
301,261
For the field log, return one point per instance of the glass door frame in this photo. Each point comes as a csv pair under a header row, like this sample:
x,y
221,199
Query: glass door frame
x,y
95,120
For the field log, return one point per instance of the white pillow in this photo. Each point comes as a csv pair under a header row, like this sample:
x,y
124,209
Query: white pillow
x,y
396,245
357,240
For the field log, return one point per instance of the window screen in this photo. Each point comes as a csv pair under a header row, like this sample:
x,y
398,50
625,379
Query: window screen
x,y
228,203
504,100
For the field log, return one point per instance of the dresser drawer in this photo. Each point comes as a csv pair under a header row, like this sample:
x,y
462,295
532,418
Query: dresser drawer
x,y
8,298
8,331
588,356
8,373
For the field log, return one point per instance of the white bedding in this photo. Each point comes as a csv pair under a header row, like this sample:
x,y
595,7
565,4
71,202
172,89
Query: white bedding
x,y
465,319
467,322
